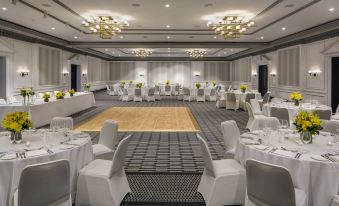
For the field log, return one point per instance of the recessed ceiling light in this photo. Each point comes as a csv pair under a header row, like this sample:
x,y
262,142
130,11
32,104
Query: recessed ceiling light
x,y
284,28
53,28
169,55
168,37
167,5
4,8
262,37
168,48
75,37
331,9
215,37
225,52
121,37
168,26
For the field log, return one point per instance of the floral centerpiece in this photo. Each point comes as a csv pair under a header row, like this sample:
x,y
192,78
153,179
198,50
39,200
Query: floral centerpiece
x,y
130,81
139,85
198,85
26,92
46,97
168,82
206,82
122,84
296,97
243,88
16,122
87,86
307,124
60,95
214,83
71,92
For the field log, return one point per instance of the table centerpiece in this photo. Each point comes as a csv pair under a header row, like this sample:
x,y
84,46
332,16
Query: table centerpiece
x,y
139,85
87,86
168,82
198,85
296,97
46,97
71,92
307,124
243,88
60,95
214,83
15,123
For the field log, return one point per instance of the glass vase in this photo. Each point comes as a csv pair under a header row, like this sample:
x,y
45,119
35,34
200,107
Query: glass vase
x,y
306,137
16,137
296,102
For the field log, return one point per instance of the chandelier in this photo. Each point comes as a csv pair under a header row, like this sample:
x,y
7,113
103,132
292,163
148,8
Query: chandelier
x,y
231,27
142,52
196,53
105,26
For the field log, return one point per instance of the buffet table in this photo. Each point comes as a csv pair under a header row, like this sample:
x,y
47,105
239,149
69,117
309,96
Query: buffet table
x,y
45,146
312,173
41,113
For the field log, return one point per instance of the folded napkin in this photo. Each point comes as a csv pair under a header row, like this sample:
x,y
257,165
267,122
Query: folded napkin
x,y
36,153
249,142
9,157
249,136
285,153
261,147
78,134
77,142
325,133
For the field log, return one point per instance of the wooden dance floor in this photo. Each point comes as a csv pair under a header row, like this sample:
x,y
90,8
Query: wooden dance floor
x,y
142,119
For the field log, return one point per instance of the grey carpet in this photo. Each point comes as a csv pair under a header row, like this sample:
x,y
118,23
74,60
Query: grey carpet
x,y
160,165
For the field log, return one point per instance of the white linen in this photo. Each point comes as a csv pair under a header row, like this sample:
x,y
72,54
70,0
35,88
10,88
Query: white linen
x,y
292,109
319,179
10,170
41,113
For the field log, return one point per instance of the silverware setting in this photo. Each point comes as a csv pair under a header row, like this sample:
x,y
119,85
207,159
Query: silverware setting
x,y
49,151
22,155
328,157
298,155
273,150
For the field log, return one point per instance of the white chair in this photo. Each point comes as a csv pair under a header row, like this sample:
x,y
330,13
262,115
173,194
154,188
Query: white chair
x,y
109,91
231,134
265,99
200,95
221,103
44,184
126,96
271,185
223,181
335,201
157,93
180,95
324,114
212,96
116,89
107,140
245,100
231,101
256,107
150,95
104,182
187,95
2,101
330,126
167,91
137,95
61,122
257,122
175,92
280,114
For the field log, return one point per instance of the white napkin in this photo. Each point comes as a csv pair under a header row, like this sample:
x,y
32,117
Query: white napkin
x,y
9,157
324,133
36,153
66,147
285,153
261,147
249,142
249,136
77,142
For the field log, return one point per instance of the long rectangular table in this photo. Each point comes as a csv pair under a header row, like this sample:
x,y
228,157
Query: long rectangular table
x,y
41,113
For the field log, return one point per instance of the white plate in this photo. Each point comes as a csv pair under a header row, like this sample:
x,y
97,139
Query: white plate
x,y
66,146
319,158
9,157
32,148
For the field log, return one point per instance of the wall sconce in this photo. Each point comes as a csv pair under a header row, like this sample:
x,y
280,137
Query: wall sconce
x,y
273,74
314,72
23,73
65,74
254,74
196,74
142,74
84,73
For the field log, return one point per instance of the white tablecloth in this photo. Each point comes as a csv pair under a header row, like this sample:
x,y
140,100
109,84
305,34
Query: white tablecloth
x,y
319,179
41,113
242,96
10,170
292,109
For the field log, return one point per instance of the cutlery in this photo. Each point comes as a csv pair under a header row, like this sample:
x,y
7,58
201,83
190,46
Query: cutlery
x,y
290,150
272,150
50,151
298,155
326,156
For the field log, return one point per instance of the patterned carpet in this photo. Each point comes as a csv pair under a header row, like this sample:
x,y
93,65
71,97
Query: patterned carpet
x,y
168,157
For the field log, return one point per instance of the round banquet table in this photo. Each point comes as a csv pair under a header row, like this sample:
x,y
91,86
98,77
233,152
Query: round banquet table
x,y
242,96
292,109
319,179
45,146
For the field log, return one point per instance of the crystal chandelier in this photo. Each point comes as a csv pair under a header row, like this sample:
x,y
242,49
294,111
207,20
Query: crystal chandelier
x,y
105,26
142,52
196,53
231,27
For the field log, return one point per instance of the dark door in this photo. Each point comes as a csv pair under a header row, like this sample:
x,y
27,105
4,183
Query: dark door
x,y
74,76
2,77
263,79
335,83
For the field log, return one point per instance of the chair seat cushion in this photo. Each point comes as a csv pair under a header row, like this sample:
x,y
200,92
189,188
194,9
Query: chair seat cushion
x,y
227,167
97,167
99,149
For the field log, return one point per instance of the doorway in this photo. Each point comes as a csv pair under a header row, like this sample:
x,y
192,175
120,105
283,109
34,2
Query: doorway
x,y
263,79
3,77
335,83
76,77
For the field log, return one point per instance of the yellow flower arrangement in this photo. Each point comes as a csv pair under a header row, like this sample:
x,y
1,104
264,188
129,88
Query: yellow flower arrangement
x,y
122,83
71,92
198,85
214,83
139,85
296,96
46,97
168,82
60,95
131,81
206,82
243,87
16,122
308,122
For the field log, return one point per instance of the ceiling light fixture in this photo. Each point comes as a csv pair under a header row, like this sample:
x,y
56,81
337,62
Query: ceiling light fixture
x,y
142,52
196,53
168,26
75,37
121,37
53,28
231,27
167,5
215,37
105,26
168,37
284,28
262,37
4,8
331,9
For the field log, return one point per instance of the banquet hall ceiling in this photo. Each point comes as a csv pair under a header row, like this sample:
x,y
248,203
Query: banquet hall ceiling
x,y
163,24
